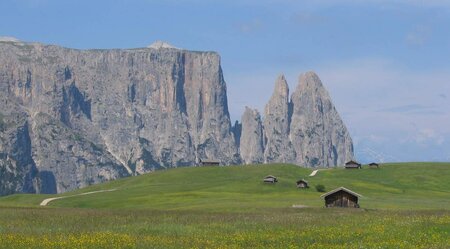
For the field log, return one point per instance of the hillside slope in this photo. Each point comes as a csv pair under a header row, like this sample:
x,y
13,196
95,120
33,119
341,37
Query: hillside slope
x,y
240,188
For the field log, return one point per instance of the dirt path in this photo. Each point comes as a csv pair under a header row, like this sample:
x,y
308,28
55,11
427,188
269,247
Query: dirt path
x,y
48,200
314,172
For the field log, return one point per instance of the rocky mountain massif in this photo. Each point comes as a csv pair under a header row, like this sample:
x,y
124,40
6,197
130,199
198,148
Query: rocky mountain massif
x,y
305,129
70,118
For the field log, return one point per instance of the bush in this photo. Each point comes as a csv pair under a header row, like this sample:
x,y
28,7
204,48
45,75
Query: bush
x,y
320,188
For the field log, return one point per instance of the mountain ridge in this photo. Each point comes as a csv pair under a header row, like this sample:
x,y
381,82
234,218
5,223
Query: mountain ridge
x,y
86,116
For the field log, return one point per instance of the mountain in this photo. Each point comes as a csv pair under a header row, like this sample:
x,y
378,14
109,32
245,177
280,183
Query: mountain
x,y
71,118
306,130
77,117
317,132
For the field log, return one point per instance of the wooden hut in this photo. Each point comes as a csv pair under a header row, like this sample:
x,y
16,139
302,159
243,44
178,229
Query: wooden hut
x,y
207,162
341,197
270,179
302,184
373,165
352,165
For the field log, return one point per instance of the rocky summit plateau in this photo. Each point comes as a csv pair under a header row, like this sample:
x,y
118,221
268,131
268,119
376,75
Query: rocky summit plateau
x,y
71,118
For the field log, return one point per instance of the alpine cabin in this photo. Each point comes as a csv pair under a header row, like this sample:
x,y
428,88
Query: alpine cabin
x,y
207,162
270,179
373,165
302,184
352,165
341,197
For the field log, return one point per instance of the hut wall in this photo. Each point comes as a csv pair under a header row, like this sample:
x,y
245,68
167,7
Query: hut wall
x,y
210,163
352,166
301,185
270,180
341,199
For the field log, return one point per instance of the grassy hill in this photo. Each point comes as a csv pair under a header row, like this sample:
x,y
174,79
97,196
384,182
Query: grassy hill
x,y
405,205
240,188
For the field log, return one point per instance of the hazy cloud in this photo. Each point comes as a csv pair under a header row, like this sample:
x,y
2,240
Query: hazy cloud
x,y
418,3
250,26
429,136
306,18
408,109
34,3
419,35
365,154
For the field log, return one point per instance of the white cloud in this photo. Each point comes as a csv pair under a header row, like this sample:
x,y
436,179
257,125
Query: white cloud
x,y
426,135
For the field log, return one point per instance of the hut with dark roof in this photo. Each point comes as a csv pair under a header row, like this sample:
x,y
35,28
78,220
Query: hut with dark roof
x,y
373,165
208,162
341,197
270,179
352,165
302,184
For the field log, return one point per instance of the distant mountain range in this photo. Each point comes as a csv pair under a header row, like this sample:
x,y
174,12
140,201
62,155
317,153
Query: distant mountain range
x,y
368,155
71,118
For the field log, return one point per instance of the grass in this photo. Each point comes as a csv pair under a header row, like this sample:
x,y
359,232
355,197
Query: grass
x,y
404,206
281,228
236,188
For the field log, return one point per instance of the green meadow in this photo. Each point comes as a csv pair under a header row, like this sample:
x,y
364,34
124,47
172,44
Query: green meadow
x,y
404,205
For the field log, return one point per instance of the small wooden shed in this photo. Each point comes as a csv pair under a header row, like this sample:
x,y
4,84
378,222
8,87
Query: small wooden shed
x,y
208,162
302,184
270,179
373,165
352,165
341,197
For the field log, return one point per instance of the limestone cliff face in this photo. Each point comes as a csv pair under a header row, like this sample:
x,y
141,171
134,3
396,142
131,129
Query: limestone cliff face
x,y
70,118
17,168
318,135
305,130
252,144
278,147
95,115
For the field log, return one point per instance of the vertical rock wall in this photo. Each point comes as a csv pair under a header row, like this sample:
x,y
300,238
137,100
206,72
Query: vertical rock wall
x,y
70,118
305,130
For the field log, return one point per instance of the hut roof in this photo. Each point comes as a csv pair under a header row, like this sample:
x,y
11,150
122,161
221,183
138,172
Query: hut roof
x,y
302,180
339,189
373,164
270,176
352,162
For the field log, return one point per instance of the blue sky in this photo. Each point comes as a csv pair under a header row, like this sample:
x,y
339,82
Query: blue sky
x,y
385,63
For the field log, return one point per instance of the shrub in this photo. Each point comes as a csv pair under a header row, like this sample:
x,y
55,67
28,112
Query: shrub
x,y
320,188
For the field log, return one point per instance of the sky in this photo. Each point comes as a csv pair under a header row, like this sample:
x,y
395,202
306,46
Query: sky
x,y
386,64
